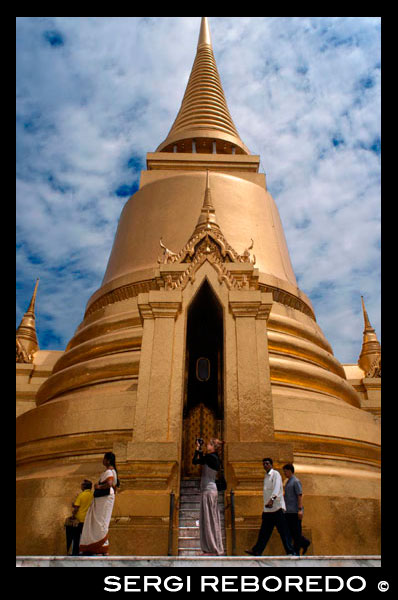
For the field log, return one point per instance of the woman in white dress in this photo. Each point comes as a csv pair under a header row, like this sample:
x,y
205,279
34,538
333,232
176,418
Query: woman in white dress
x,y
94,538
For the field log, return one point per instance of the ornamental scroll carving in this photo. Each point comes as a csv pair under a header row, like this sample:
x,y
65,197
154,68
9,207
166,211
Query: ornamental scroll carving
x,y
167,255
208,244
193,247
375,369
22,356
246,256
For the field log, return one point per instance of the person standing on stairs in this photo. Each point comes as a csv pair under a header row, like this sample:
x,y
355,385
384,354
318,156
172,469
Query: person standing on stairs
x,y
209,521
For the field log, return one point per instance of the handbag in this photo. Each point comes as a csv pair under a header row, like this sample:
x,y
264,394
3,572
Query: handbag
x,y
71,522
221,483
101,493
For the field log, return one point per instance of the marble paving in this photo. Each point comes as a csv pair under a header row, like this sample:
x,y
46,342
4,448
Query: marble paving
x,y
181,561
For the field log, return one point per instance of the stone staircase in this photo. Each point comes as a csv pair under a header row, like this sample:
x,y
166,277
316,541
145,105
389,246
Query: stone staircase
x,y
188,533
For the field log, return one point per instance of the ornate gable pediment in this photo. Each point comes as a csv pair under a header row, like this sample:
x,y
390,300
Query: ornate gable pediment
x,y
207,243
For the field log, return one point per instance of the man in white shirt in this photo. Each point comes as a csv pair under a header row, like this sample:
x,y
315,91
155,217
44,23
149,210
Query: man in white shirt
x,y
273,512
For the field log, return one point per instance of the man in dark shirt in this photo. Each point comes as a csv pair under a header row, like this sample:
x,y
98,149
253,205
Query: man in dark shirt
x,y
294,509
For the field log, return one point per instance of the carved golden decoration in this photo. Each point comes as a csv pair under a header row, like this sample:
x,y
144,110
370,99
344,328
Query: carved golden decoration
x,y
132,290
208,243
167,255
245,257
125,292
26,338
208,249
22,356
169,283
370,357
288,299
375,369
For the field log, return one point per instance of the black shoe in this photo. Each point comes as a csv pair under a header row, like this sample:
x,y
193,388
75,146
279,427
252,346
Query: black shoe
x,y
305,547
252,553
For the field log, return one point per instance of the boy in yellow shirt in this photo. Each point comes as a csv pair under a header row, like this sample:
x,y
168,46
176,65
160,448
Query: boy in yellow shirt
x,y
79,511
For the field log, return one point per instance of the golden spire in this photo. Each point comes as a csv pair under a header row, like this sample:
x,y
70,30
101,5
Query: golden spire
x,y
207,218
26,338
368,326
204,36
204,124
371,351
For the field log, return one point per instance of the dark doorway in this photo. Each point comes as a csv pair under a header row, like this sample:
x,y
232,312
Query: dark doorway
x,y
203,405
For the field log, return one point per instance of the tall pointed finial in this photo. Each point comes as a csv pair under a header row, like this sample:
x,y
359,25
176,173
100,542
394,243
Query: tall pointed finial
x,y
207,204
204,36
31,308
207,218
368,326
26,338
371,351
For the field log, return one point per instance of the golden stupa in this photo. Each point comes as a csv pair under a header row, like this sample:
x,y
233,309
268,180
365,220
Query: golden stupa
x,y
199,328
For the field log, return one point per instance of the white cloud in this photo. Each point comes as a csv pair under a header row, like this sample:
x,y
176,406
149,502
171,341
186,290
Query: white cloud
x,y
304,93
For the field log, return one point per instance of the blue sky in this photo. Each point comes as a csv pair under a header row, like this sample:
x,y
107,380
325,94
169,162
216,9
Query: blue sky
x,y
95,94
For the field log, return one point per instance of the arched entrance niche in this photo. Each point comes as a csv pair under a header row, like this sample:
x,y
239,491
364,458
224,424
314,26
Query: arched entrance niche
x,y
203,412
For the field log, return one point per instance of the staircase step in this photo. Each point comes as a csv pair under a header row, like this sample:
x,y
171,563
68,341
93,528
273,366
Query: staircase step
x,y
189,512
188,521
190,506
194,542
189,543
188,532
194,506
191,552
192,497
190,483
195,496
194,522
188,518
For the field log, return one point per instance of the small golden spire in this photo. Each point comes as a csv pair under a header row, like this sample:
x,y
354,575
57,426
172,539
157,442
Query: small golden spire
x,y
371,350
368,326
26,338
207,218
31,308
